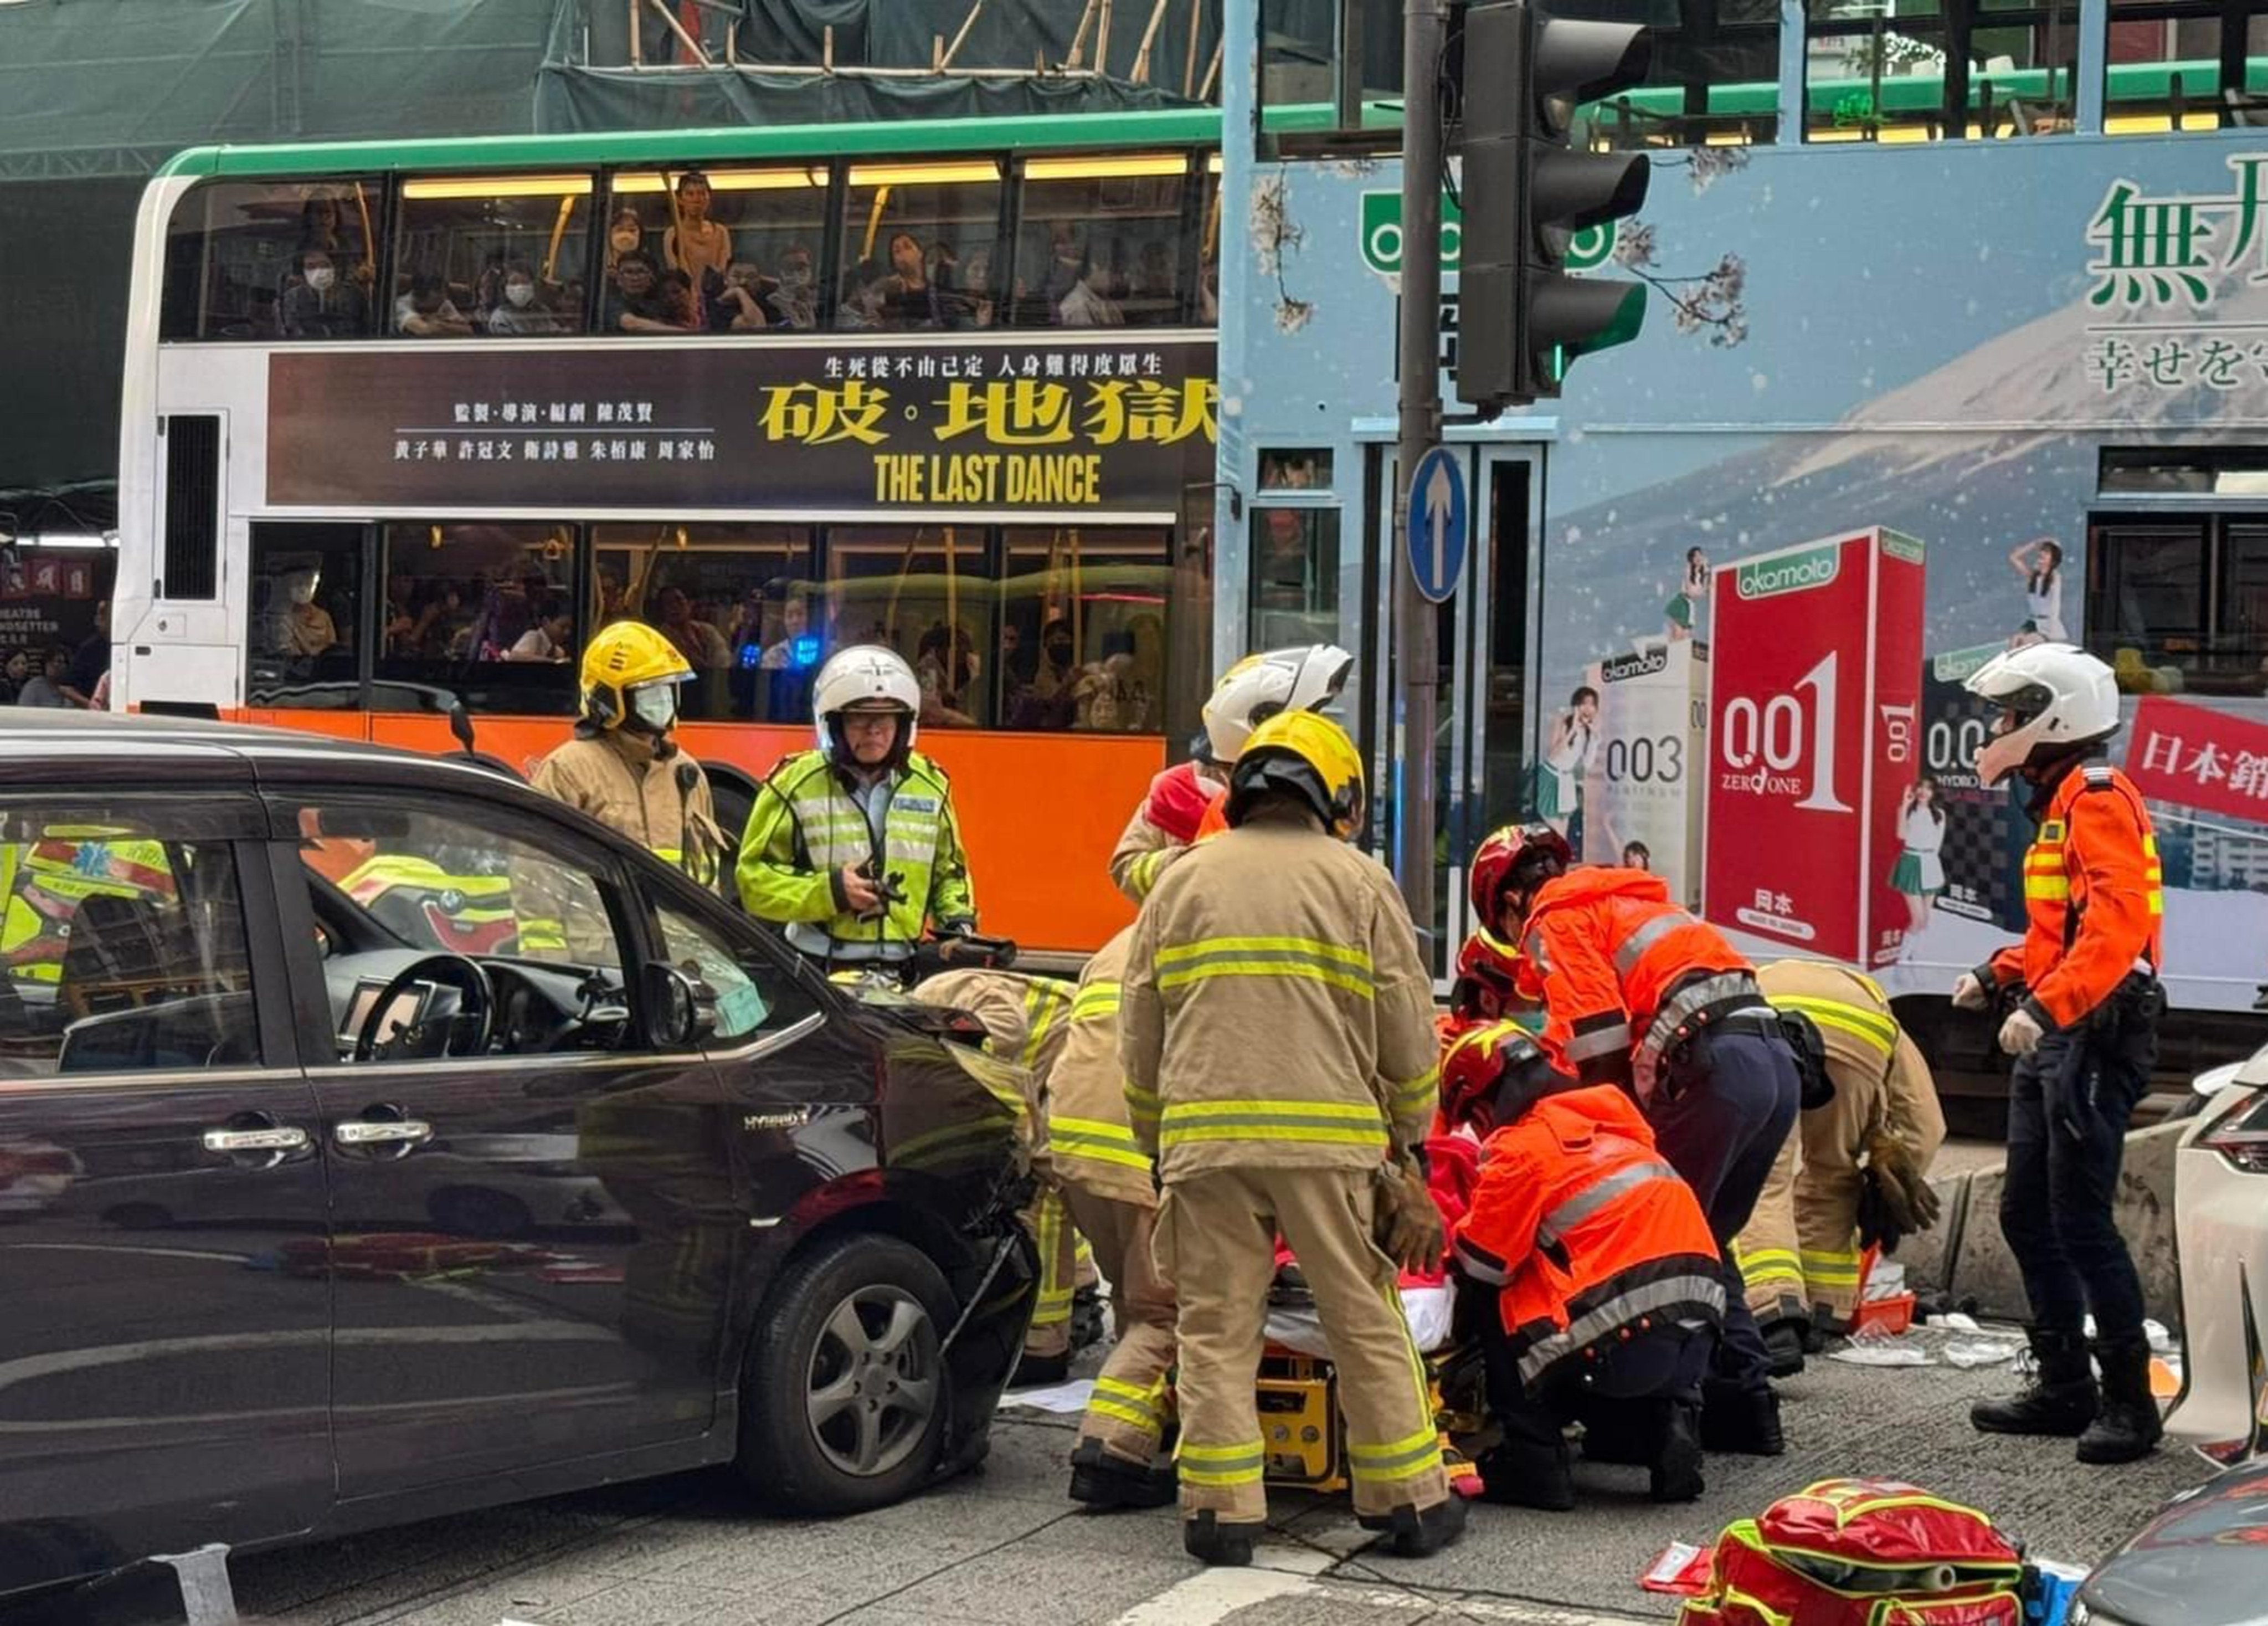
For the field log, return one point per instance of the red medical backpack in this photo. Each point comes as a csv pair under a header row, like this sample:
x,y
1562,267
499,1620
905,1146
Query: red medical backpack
x,y
1862,1552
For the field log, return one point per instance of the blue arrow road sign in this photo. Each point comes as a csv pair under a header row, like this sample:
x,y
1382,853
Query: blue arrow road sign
x,y
1439,525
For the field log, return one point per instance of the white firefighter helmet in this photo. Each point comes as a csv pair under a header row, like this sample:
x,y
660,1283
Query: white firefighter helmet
x,y
865,677
2055,699
1302,679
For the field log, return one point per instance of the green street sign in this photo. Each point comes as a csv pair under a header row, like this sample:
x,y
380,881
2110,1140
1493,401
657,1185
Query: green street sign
x,y
1381,237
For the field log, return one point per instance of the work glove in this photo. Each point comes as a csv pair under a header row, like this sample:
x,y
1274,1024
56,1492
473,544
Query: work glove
x,y
1971,995
2022,1032
1407,1225
1912,1202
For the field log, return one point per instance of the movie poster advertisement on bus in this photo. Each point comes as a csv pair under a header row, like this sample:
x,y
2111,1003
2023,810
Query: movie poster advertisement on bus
x,y
1638,806
1814,756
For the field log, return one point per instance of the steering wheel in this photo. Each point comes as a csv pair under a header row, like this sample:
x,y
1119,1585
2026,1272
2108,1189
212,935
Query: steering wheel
x,y
476,1005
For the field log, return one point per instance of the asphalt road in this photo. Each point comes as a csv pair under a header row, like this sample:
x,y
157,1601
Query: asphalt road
x,y
1003,1546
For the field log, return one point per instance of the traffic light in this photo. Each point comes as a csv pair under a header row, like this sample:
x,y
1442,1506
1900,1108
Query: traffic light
x,y
1521,319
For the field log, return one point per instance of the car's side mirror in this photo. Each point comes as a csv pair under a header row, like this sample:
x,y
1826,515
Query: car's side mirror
x,y
680,1012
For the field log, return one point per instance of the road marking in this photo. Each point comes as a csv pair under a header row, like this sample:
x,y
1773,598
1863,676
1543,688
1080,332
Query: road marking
x,y
1212,1596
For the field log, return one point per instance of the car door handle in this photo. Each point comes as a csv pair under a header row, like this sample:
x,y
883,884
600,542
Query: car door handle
x,y
404,1132
282,1138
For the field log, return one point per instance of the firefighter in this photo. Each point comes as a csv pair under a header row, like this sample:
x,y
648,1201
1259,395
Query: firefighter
x,y
2083,1029
854,846
1601,1275
624,766
1863,1174
1180,797
1277,1037
1640,994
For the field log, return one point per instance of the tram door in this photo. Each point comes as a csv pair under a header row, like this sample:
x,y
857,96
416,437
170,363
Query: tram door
x,y
1477,744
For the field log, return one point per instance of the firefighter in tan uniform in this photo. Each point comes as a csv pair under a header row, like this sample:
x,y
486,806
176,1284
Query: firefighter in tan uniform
x,y
1799,1252
1277,1032
624,766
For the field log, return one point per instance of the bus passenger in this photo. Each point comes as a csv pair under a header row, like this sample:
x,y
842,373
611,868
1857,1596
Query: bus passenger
x,y
702,646
793,300
319,305
425,312
301,629
945,677
739,308
908,296
635,303
624,766
547,639
853,846
522,311
680,303
697,244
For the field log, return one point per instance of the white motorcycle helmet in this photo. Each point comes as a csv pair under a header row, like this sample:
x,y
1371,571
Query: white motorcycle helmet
x,y
1275,680
2055,700
864,677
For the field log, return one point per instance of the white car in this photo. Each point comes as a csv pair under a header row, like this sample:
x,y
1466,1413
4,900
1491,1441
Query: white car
x,y
2221,1224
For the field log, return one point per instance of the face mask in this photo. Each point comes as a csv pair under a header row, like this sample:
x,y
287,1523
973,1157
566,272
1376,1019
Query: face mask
x,y
520,293
303,591
795,276
655,706
322,277
623,241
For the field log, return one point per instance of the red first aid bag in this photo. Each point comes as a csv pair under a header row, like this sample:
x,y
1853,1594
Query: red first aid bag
x,y
1862,1552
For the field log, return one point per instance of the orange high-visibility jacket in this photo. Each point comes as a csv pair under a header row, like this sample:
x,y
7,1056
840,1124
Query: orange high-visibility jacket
x,y
2094,898
1590,1235
1602,948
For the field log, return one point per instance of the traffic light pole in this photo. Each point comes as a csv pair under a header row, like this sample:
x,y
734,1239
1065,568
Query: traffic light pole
x,y
1417,659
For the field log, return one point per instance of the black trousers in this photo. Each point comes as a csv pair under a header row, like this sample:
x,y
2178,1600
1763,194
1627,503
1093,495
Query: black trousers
x,y
1651,1370
2069,1103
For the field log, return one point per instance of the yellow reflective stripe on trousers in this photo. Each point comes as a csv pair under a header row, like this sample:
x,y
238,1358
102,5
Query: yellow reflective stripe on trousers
x,y
1054,1302
1141,1408
1142,1105
1405,1459
1870,1026
1221,1465
1761,1265
1331,1123
1838,1269
1095,1141
1308,958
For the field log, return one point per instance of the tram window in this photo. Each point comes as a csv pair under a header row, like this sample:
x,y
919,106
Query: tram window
x,y
926,592
2183,64
238,258
1924,71
1083,629
751,240
2180,604
466,246
918,245
1102,244
1296,469
1295,576
300,639
736,600
485,609
1714,77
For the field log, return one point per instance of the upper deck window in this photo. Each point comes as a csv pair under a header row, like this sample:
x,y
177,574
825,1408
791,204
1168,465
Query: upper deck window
x,y
1924,71
2185,64
1105,242
746,244
920,245
266,260
1714,77
499,255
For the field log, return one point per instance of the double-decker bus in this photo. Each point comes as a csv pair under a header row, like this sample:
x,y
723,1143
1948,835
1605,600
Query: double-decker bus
x,y
1959,340
425,414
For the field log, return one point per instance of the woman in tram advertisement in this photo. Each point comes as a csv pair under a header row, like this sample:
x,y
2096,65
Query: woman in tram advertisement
x,y
2039,562
1559,785
1918,875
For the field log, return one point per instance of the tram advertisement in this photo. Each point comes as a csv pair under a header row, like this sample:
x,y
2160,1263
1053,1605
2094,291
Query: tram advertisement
x,y
1639,805
1814,747
1038,425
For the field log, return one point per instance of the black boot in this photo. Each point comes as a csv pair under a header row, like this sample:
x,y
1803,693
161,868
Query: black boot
x,y
1518,1474
1675,1474
2060,1400
1085,1318
1207,1537
1618,1431
1740,1422
2126,1426
1102,1480
1031,1369
1418,1533
1784,1346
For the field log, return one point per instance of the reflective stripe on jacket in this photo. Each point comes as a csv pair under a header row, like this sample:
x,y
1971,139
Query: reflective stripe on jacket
x,y
1275,1010
1587,1232
805,827
2094,897
1087,1122
616,779
1161,829
1602,950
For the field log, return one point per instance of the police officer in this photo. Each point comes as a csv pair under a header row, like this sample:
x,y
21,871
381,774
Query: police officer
x,y
624,766
1275,1029
854,846
2084,1034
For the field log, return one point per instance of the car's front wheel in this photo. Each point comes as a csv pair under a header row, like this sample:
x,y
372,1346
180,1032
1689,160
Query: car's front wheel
x,y
843,1401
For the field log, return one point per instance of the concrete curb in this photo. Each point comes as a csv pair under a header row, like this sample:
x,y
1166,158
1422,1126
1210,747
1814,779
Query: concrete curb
x,y
1966,1257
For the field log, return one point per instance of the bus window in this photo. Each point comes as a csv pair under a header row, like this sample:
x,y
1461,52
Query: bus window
x,y
1102,242
1083,629
735,599
485,609
925,591
1295,576
494,255
918,245
306,610
750,241
2174,66
254,261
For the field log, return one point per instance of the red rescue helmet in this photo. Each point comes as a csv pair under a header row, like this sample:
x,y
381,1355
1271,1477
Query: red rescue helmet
x,y
1487,984
1502,859
1492,1073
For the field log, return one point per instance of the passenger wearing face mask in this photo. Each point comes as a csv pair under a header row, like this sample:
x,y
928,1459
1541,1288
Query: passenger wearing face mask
x,y
299,628
793,300
522,312
624,235
624,766
320,306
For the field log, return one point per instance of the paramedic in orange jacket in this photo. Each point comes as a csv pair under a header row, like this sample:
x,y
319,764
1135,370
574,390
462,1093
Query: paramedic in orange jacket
x,y
1603,1279
2084,1034
1636,992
